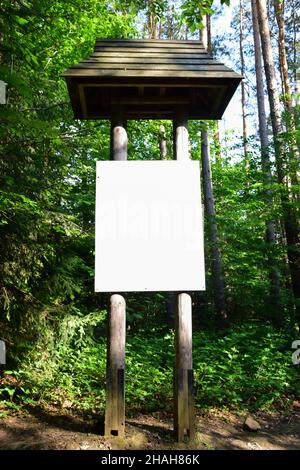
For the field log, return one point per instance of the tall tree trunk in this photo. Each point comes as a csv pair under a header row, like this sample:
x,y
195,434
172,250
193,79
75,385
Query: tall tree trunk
x,y
209,204
245,133
208,29
289,216
163,143
279,13
287,95
152,21
218,155
267,174
295,57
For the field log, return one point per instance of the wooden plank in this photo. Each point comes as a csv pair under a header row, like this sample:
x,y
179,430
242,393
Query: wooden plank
x,y
161,50
145,84
145,44
150,67
149,41
82,72
166,55
150,44
149,115
150,60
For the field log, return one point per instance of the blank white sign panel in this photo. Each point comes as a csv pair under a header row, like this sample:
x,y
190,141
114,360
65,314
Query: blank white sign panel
x,y
149,228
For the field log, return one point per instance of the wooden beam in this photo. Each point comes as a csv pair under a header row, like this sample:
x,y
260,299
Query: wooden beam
x,y
78,71
116,58
82,100
147,65
88,83
151,100
105,41
162,50
182,55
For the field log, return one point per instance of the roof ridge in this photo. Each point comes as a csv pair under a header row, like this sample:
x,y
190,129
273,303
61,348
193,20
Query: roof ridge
x,y
171,41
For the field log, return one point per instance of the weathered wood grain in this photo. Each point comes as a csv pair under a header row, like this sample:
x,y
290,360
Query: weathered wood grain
x,y
146,54
197,43
151,58
97,72
183,389
150,49
149,67
181,136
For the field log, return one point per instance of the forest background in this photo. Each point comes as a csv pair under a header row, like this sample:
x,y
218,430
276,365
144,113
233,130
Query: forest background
x,y
52,322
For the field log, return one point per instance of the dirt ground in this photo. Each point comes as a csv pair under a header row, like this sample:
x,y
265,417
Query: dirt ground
x,y
40,429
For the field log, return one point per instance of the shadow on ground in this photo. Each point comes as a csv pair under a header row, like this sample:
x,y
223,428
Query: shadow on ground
x,y
38,428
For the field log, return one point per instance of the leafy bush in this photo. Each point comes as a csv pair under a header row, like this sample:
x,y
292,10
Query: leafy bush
x,y
249,367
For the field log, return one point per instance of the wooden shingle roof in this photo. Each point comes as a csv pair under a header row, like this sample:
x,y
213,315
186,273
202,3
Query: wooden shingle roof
x,y
150,79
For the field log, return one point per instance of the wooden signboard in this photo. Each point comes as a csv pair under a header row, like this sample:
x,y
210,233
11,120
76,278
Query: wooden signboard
x,y
149,227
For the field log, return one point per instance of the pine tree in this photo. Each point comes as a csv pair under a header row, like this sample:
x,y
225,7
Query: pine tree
x,y
209,204
266,167
289,216
243,91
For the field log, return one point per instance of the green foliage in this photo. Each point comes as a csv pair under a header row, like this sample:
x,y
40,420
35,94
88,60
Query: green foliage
x,y
65,363
49,314
250,367
145,137
47,162
193,12
149,372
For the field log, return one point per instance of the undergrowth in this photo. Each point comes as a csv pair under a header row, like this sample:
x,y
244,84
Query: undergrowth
x,y
249,367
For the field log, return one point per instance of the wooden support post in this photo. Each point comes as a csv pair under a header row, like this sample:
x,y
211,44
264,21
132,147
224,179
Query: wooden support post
x,y
118,135
181,137
115,392
183,373
115,375
184,424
